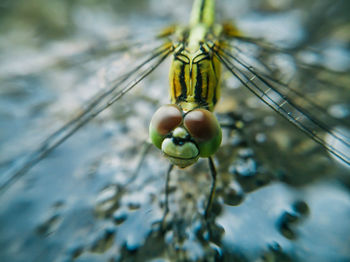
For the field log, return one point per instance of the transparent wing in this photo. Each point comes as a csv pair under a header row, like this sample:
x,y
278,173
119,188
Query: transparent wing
x,y
312,78
114,91
290,103
73,53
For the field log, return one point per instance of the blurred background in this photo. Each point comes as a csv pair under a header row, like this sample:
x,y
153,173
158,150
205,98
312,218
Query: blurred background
x,y
100,195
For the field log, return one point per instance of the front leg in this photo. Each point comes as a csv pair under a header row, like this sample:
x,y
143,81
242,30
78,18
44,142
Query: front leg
x,y
166,207
213,185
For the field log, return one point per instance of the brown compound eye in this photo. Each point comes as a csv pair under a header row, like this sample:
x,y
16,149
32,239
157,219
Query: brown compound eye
x,y
201,124
166,119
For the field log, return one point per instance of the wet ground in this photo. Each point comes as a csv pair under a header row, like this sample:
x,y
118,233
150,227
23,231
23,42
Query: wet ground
x,y
100,195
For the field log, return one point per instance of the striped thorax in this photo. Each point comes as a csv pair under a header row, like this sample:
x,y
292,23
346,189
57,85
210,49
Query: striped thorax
x,y
195,73
187,129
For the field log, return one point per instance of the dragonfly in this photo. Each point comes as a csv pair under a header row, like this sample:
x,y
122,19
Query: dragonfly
x,y
195,91
216,47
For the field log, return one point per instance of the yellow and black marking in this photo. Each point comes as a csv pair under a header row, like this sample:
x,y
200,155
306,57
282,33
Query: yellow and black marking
x,y
195,79
196,69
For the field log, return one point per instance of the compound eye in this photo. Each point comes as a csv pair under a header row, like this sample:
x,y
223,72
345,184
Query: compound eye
x,y
201,124
166,119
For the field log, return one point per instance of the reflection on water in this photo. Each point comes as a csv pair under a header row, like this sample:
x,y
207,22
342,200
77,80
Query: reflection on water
x,y
278,192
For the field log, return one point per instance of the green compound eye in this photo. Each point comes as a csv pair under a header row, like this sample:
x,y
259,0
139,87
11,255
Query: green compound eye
x,y
201,124
164,120
205,129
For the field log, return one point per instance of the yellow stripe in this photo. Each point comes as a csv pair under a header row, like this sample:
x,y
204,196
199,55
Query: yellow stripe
x,y
201,87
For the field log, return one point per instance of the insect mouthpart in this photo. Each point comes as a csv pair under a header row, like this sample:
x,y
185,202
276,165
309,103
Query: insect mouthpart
x,y
179,149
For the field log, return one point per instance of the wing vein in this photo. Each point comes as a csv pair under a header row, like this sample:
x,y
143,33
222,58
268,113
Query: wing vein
x,y
96,106
285,106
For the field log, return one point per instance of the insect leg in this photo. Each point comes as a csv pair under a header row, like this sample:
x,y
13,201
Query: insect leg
x,y
213,185
166,208
144,150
